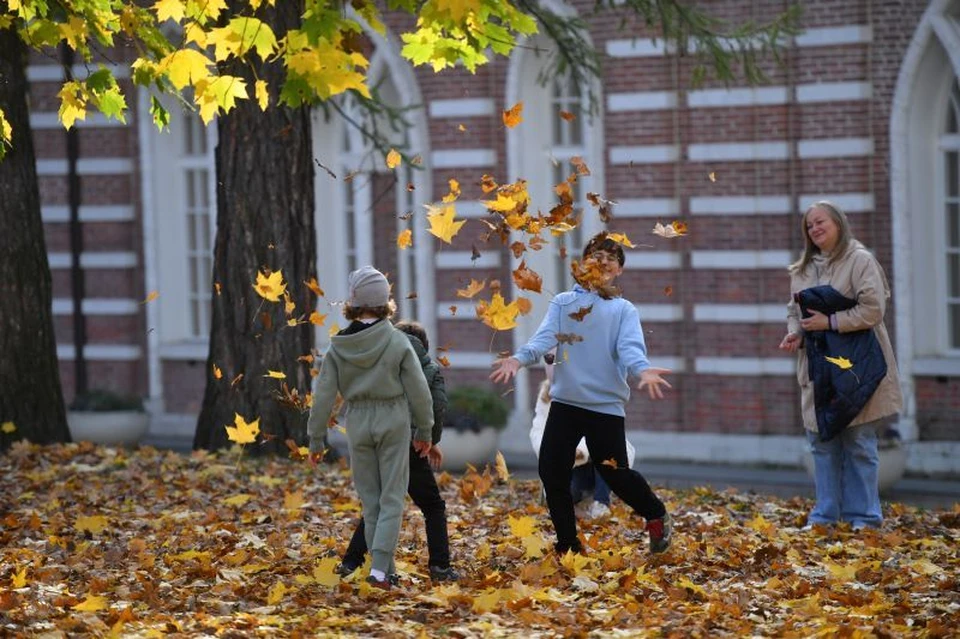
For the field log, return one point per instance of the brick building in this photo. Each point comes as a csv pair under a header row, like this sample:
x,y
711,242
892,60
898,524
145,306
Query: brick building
x,y
864,111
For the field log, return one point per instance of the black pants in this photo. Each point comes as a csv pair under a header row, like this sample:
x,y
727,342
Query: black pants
x,y
605,440
425,493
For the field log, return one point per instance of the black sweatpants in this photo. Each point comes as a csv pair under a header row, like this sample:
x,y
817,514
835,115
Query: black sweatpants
x,y
605,440
425,493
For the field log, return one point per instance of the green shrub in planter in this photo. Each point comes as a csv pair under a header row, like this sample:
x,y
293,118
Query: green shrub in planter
x,y
103,401
471,408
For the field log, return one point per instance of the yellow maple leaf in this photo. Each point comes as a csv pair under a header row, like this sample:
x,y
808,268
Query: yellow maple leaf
x,y
185,66
242,432
294,500
513,116
169,9
521,526
458,9
73,103
91,523
317,318
222,92
498,315
405,239
486,601
670,230
454,192
574,562
502,471
92,603
534,546
152,295
19,579
276,593
8,427
314,287
217,373
684,582
263,96
762,526
442,223
841,362
270,287
393,159
333,330
237,500
325,572
275,375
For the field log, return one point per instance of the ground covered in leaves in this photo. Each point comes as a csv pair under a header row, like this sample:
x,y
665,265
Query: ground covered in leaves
x,y
101,542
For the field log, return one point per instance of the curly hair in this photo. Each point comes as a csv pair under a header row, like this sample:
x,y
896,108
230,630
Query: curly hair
x,y
380,312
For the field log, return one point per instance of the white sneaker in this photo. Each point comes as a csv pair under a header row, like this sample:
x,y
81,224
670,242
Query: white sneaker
x,y
599,510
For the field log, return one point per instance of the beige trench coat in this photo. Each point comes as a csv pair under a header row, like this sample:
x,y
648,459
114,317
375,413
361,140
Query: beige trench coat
x,y
859,276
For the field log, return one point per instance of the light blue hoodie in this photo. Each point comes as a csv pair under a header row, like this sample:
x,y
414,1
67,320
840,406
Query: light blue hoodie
x,y
591,373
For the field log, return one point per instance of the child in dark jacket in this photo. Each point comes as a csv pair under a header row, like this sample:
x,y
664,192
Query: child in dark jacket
x,y
422,487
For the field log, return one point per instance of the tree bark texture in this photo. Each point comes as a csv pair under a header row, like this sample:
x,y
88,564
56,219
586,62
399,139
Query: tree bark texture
x,y
265,221
30,393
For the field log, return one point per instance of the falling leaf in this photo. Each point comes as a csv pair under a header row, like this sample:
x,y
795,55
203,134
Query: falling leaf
x,y
405,239
442,223
527,279
513,116
275,374
416,160
217,373
151,296
242,432
411,187
518,248
569,338
317,319
393,159
501,466
524,305
579,165
472,289
292,321
712,176
314,286
622,239
92,603
236,380
605,206
474,253
841,362
612,462
454,192
498,315
566,115
333,330
8,427
679,227
488,184
443,361
412,296
580,313
668,290
461,128
216,286
453,309
669,231
270,287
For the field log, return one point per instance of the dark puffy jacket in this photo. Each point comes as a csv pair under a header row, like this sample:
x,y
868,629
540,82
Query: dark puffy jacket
x,y
438,387
839,394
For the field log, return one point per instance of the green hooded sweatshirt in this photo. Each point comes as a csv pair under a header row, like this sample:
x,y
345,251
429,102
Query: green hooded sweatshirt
x,y
377,364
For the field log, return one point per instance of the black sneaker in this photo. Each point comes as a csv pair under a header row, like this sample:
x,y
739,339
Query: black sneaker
x,y
394,579
661,533
444,574
346,568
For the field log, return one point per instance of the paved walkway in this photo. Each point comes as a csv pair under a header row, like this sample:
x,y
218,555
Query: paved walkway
x,y
782,482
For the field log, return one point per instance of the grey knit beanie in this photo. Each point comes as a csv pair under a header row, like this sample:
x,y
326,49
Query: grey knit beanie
x,y
368,288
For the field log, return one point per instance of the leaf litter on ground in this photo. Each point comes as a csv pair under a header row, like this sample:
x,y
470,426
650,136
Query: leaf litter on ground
x,y
112,542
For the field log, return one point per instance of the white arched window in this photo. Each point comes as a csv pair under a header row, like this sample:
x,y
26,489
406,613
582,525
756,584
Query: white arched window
x,y
567,142
949,270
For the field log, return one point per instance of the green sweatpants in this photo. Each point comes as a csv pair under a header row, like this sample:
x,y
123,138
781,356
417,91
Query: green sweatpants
x,y
378,433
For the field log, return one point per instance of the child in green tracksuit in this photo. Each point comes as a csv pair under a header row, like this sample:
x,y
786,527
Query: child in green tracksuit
x,y
374,367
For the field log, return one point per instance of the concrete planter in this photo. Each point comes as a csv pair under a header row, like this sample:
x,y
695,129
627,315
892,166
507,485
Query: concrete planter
x,y
467,447
893,463
111,428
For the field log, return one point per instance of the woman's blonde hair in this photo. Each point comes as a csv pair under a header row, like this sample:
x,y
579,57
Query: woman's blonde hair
x,y
809,248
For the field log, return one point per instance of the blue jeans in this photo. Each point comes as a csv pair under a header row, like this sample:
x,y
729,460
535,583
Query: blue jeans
x,y
845,474
586,479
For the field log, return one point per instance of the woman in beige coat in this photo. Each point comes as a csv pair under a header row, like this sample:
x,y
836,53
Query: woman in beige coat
x,y
846,467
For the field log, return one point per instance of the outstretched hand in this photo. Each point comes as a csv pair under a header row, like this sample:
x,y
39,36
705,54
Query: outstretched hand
x,y
651,380
504,369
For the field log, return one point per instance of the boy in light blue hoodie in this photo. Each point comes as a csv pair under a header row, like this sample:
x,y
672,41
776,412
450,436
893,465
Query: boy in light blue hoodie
x,y
599,345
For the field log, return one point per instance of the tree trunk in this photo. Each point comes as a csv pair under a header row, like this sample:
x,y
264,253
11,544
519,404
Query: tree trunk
x,y
265,220
30,392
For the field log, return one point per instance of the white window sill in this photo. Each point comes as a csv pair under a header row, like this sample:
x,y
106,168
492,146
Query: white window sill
x,y
937,366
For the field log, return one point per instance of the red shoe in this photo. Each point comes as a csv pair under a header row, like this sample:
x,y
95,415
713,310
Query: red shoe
x,y
661,533
377,583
